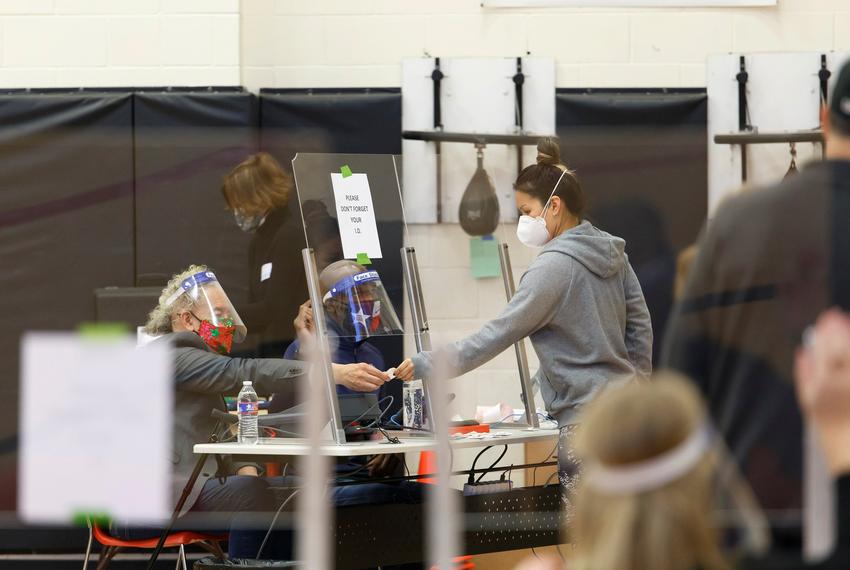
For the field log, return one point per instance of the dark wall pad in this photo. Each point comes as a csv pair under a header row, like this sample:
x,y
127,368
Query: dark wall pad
x,y
642,160
185,144
339,121
66,224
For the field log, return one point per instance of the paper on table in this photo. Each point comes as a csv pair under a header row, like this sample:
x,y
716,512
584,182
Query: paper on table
x,y
356,216
484,257
497,413
96,413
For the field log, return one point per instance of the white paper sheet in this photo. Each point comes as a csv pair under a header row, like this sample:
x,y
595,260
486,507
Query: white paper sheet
x,y
356,216
95,429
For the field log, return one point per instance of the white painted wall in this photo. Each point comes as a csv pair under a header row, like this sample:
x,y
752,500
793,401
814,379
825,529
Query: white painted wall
x,y
350,43
300,43
119,43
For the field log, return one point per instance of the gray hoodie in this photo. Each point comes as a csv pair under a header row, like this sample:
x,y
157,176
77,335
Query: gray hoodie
x,y
581,305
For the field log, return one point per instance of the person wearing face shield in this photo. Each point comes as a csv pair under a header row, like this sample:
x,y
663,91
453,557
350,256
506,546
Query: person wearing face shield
x,y
579,303
659,489
258,192
357,308
196,317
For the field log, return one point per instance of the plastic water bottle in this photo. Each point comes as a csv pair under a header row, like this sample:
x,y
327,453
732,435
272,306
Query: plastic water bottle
x,y
248,409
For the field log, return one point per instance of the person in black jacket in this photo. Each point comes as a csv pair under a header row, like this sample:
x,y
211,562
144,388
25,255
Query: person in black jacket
x,y
769,262
260,195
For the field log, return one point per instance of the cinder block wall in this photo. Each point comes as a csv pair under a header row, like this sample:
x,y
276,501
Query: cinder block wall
x,y
119,43
299,43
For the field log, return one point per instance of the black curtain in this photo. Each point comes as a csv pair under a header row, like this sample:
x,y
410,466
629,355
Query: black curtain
x,y
66,225
642,159
184,145
365,121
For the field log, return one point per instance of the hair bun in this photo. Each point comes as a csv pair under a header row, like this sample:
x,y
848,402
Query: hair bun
x,y
548,151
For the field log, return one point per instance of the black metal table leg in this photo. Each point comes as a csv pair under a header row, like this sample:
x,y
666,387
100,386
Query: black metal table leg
x,y
182,501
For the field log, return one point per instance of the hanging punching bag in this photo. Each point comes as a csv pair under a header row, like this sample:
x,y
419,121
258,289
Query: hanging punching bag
x,y
479,207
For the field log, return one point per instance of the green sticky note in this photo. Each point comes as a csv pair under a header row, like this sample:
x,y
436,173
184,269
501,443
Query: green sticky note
x,y
345,171
363,259
103,330
484,257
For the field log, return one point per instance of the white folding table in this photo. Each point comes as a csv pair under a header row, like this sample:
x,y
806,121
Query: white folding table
x,y
295,446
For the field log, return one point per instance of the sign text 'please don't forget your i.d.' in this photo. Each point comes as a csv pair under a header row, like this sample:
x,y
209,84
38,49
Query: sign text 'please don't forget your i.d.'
x,y
356,216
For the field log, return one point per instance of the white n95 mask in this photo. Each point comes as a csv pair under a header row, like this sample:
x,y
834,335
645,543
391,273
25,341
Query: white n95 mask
x,y
532,232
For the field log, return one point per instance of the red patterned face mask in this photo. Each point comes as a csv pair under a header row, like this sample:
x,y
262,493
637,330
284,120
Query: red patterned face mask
x,y
218,337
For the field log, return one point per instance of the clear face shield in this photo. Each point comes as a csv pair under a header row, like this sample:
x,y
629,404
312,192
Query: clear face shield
x,y
359,305
714,479
210,305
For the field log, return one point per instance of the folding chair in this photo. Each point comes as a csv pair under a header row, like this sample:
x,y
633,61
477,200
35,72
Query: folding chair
x,y
112,545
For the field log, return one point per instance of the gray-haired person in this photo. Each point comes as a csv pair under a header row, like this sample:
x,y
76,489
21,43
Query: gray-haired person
x,y
196,317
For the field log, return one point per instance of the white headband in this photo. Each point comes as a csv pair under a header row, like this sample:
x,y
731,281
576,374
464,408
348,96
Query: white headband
x,y
652,473
190,283
174,296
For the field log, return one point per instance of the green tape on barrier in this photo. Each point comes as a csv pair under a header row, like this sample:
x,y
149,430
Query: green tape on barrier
x,y
363,259
82,518
345,171
103,330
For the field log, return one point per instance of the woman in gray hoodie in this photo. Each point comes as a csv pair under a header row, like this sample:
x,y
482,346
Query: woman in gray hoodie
x,y
580,303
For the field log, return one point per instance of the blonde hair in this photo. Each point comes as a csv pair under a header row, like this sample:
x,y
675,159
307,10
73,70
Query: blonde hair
x,y
668,528
160,318
257,185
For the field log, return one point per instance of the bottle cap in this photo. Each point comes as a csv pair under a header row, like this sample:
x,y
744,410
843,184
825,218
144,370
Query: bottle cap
x,y
246,382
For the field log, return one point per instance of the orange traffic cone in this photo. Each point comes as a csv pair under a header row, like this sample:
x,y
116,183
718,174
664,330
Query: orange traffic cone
x,y
427,465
